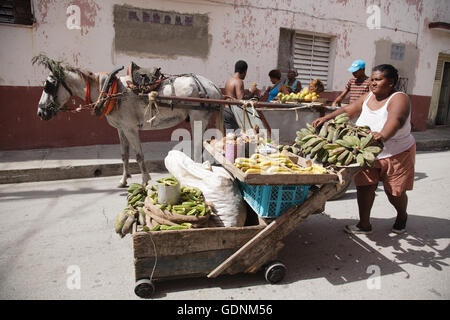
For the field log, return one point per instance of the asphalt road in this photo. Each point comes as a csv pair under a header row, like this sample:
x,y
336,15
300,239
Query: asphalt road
x,y
57,241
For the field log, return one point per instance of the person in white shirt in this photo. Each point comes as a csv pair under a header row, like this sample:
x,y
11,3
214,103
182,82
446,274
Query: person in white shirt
x,y
388,114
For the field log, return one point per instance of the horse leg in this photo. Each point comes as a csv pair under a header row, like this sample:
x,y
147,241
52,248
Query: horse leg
x,y
125,152
135,142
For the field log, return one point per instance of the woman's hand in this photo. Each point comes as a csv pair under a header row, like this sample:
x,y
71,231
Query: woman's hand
x,y
378,136
318,122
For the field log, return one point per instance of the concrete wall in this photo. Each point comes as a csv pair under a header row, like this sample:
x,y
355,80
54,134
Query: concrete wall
x,y
240,29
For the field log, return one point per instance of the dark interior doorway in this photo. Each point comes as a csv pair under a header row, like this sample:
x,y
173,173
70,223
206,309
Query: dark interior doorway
x,y
443,114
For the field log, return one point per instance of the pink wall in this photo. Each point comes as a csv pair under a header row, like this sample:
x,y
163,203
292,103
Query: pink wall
x,y
22,129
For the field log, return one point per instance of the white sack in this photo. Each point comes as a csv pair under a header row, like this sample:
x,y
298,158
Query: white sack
x,y
217,186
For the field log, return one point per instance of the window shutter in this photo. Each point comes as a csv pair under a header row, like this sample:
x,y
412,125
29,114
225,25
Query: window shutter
x,y
311,57
16,12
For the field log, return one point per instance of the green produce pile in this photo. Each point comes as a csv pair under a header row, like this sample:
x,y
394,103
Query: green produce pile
x,y
192,203
338,142
171,181
135,201
293,148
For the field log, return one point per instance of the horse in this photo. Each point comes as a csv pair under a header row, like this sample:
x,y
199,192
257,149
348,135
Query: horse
x,y
130,114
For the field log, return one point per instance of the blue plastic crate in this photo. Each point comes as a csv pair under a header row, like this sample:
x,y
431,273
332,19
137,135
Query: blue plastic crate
x,y
272,201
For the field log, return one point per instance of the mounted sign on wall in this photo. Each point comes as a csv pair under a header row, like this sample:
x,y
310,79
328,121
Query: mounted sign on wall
x,y
156,33
397,51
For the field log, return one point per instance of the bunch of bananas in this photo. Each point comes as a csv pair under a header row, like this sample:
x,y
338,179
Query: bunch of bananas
x,y
275,163
136,195
192,203
339,143
292,149
171,181
133,211
303,95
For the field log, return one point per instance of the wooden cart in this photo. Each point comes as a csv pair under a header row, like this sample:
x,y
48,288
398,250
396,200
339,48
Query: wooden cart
x,y
217,251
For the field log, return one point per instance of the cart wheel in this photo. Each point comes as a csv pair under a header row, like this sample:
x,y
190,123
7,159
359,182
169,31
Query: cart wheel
x,y
275,272
144,288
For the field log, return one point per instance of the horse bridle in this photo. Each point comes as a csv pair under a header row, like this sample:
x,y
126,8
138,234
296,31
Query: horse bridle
x,y
51,88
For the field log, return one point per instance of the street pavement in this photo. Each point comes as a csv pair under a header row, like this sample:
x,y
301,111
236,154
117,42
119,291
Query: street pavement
x,y
57,241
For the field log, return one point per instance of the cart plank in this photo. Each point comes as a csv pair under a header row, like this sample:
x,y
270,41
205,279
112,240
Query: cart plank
x,y
270,255
179,242
255,249
181,265
269,179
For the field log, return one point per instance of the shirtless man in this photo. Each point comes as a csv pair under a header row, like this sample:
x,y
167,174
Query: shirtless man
x,y
234,88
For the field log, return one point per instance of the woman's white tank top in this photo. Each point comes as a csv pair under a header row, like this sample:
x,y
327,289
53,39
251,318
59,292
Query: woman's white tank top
x,y
376,119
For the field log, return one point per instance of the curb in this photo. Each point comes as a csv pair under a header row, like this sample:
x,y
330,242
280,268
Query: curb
x,y
432,145
75,172
116,169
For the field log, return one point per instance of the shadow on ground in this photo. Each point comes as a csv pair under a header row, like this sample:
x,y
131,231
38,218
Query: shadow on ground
x,y
319,248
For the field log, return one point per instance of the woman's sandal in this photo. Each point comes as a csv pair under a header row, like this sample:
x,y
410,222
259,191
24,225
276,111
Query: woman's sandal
x,y
354,229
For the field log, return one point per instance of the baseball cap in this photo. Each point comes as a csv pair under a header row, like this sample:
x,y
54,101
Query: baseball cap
x,y
356,65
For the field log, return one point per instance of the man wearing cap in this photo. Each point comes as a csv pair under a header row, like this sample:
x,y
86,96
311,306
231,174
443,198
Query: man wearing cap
x,y
356,86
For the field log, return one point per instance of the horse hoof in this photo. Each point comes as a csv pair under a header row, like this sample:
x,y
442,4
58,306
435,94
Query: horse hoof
x,y
122,185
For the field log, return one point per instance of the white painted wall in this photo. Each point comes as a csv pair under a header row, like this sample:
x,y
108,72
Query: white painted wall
x,y
240,29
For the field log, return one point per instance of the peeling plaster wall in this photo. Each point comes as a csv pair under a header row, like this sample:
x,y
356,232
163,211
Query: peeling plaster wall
x,y
237,29
240,29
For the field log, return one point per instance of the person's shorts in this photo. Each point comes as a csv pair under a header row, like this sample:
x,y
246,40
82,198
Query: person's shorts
x,y
396,173
229,121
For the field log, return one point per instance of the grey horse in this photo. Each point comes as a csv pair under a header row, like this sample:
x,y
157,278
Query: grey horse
x,y
131,112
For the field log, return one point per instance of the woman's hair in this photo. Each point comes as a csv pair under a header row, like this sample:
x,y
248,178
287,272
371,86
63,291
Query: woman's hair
x,y
316,86
241,66
388,71
275,74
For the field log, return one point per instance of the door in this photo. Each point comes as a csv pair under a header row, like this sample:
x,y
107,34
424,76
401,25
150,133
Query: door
x,y
443,114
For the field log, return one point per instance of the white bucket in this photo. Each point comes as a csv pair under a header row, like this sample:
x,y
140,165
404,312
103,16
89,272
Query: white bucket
x,y
168,194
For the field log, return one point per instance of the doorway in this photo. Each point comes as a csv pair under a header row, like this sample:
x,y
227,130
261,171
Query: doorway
x,y
443,112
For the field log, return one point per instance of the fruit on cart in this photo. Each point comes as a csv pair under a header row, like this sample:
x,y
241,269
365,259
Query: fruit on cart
x,y
125,220
275,163
171,181
303,95
192,203
339,142
293,149
136,195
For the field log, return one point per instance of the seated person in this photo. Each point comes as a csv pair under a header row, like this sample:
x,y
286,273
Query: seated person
x,y
278,86
316,86
291,83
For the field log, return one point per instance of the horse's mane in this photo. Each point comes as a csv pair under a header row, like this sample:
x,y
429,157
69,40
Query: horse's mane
x,y
58,68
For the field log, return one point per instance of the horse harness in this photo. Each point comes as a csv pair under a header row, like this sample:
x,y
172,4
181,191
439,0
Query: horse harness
x,y
142,80
139,81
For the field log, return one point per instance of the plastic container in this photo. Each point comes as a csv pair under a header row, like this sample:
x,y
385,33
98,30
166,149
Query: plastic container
x,y
231,150
273,201
168,194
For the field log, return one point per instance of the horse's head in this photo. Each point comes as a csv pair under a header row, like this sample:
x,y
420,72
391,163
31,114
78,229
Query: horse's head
x,y
56,92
